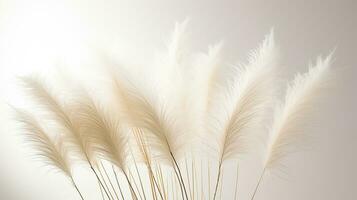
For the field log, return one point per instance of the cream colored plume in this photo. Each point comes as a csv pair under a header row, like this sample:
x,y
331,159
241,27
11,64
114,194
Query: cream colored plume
x,y
158,106
238,112
62,115
53,153
102,129
290,117
140,112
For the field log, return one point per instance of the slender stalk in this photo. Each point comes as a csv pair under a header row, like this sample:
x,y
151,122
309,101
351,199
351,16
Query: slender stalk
x,y
100,182
110,182
180,175
193,179
221,186
236,187
188,179
257,186
202,188
153,190
75,186
101,191
137,171
156,184
164,189
217,180
167,186
117,180
144,151
136,185
130,186
174,186
178,179
209,180
106,185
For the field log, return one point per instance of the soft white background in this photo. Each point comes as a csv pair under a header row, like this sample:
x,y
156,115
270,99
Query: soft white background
x,y
36,35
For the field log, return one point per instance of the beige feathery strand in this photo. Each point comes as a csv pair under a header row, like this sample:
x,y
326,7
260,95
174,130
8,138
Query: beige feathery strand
x,y
54,153
163,132
245,103
37,89
142,113
52,104
102,129
290,118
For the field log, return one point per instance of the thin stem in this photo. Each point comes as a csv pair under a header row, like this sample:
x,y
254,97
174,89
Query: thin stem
x,y
202,188
106,185
116,178
137,171
167,186
130,186
136,185
179,171
110,182
257,186
209,180
144,151
221,186
188,179
155,182
217,180
193,178
153,190
75,186
159,174
106,192
236,187
101,191
178,179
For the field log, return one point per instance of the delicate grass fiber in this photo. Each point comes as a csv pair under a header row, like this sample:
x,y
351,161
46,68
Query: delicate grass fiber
x,y
143,142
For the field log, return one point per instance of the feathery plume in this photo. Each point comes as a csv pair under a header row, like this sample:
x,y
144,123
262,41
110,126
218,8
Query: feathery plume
x,y
246,102
62,115
290,118
53,153
106,138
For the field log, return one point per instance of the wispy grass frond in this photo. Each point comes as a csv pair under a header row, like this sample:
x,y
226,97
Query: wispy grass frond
x,y
141,112
249,98
51,151
62,114
157,120
245,103
102,129
292,115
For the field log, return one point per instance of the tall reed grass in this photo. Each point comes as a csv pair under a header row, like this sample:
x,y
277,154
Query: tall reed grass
x,y
144,144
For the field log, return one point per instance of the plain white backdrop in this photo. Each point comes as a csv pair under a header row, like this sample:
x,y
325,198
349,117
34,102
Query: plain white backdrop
x,y
36,36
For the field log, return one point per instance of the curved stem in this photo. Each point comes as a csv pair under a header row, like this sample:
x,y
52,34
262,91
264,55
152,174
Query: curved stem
x,y
134,183
116,178
75,186
179,172
179,181
110,182
188,179
209,180
257,186
100,182
217,180
130,186
236,187
106,185
155,182
101,191
140,181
